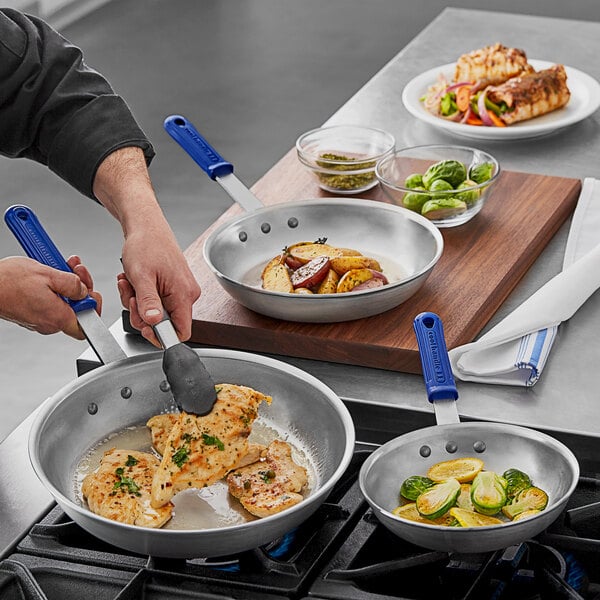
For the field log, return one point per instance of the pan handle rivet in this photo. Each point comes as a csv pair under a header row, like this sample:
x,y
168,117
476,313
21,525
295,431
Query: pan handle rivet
x,y
292,222
243,236
451,447
425,451
92,408
126,392
479,447
265,227
164,386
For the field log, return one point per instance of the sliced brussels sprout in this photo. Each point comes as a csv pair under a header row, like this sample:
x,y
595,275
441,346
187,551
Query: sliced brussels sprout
x,y
481,172
469,196
414,486
532,498
464,498
462,469
516,481
410,512
438,499
415,200
488,493
470,518
442,208
526,514
415,180
453,171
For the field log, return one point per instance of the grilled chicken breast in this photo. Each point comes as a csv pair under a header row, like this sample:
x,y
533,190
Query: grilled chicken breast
x,y
270,485
491,65
201,450
120,489
532,95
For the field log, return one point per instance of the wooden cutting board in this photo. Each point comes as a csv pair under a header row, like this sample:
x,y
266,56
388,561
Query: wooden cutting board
x,y
482,262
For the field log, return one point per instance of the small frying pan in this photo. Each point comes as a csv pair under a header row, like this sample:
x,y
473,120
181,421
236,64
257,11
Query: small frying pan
x,y
550,464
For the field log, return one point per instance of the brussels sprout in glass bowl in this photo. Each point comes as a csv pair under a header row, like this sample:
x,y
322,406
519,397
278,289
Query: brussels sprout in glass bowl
x,y
447,184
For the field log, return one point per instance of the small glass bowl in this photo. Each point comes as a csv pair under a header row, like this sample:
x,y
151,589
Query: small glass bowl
x,y
343,157
446,204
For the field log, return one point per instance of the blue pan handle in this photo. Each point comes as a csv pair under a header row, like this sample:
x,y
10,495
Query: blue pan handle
x,y
24,224
186,135
437,370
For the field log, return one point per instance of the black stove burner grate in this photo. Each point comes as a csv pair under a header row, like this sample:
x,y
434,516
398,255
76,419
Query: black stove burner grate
x,y
341,552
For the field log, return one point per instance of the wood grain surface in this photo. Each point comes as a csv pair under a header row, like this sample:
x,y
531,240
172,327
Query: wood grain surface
x,y
482,262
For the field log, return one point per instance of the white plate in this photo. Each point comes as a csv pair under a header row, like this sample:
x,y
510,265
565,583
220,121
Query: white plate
x,y
585,100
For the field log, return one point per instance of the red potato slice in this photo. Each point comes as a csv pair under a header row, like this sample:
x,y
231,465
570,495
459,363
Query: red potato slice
x,y
276,277
329,284
311,274
352,278
304,252
343,264
368,285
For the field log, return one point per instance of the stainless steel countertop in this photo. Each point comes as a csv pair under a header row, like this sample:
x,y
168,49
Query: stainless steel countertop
x,y
565,399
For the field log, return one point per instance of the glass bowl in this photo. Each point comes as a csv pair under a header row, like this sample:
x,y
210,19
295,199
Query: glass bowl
x,y
343,157
447,184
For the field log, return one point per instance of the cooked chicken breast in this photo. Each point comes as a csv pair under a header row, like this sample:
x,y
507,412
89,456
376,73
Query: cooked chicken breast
x,y
120,489
270,485
532,95
491,65
201,450
161,425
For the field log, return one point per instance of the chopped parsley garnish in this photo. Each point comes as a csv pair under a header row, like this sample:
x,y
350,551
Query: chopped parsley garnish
x,y
181,456
131,461
125,483
267,476
213,440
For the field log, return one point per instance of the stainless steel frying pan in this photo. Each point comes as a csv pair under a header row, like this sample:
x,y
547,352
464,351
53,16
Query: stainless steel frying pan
x,y
407,245
551,465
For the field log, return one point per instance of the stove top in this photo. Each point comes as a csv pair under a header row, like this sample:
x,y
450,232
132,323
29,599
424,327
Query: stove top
x,y
340,552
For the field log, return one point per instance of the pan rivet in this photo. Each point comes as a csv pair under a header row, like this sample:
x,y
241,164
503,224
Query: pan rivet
x,y
425,451
92,408
265,227
451,447
164,386
292,222
126,392
479,447
243,236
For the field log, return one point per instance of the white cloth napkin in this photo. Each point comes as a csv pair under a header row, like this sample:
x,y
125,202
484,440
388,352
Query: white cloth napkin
x,y
515,351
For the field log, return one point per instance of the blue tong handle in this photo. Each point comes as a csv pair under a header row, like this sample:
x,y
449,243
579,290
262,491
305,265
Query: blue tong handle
x,y
24,224
187,136
437,370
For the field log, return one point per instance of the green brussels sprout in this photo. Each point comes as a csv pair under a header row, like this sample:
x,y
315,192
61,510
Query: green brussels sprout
x,y
415,200
415,180
440,188
438,499
532,498
516,481
469,197
481,172
453,171
414,486
488,493
441,208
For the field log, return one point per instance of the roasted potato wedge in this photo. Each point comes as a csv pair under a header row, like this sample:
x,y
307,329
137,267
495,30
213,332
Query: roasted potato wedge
x,y
304,252
329,284
343,264
276,276
352,278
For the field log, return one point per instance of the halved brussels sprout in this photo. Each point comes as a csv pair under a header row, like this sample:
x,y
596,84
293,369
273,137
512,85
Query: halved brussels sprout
x,y
469,518
469,196
462,469
516,481
414,486
415,180
441,208
453,171
438,499
532,498
410,512
526,514
464,498
440,188
415,200
488,493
